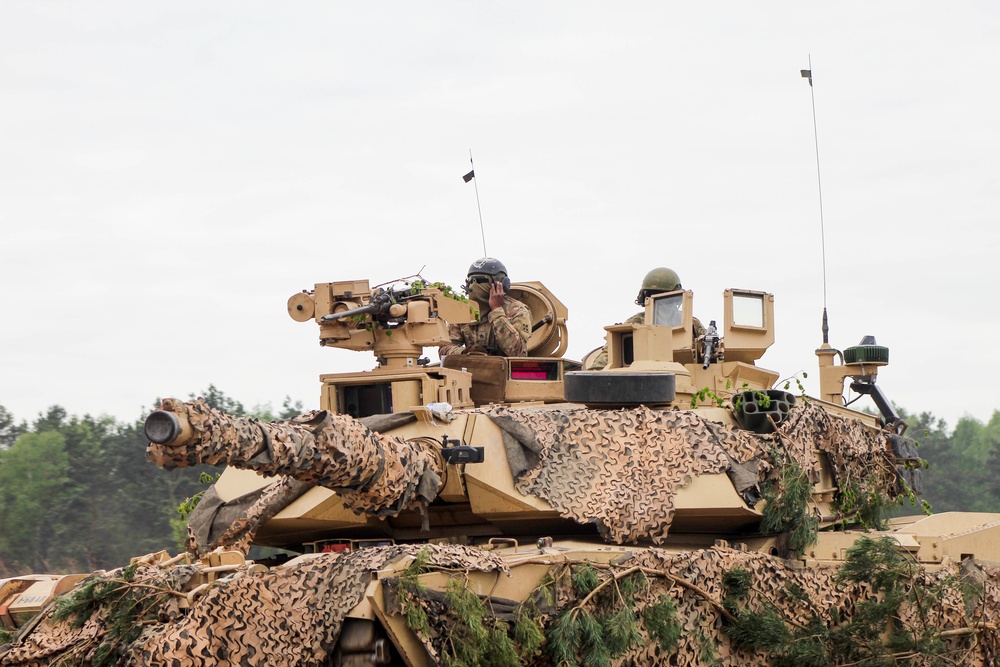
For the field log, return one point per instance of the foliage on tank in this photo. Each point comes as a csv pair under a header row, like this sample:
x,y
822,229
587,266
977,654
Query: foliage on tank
x,y
289,615
715,606
721,607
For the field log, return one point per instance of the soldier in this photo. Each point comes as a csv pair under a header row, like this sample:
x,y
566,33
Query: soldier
x,y
657,281
506,326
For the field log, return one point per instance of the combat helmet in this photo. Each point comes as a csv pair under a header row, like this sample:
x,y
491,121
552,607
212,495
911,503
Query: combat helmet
x,y
489,266
660,279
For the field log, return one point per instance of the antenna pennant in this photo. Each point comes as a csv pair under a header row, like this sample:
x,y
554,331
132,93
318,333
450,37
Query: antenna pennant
x,y
468,177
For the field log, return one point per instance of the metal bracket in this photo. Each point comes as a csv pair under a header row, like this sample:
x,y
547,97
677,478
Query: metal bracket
x,y
461,453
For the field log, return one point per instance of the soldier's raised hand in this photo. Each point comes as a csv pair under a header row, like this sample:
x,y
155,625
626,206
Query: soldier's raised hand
x,y
496,296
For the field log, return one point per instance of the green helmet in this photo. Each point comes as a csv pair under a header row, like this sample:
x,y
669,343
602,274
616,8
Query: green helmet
x,y
657,281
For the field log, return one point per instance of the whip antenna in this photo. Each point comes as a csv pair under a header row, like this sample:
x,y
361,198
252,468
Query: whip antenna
x,y
471,176
807,74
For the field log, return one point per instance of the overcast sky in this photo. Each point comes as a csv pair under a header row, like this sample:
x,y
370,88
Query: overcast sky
x,y
170,173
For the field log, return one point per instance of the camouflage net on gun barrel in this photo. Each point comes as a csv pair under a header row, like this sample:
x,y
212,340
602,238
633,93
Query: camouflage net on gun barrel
x,y
373,473
216,524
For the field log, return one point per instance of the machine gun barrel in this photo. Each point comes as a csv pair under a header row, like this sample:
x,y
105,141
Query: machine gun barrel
x,y
374,473
711,343
363,310
382,302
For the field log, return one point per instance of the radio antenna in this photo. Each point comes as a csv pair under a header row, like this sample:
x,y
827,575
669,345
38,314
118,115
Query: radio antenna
x,y
471,176
807,74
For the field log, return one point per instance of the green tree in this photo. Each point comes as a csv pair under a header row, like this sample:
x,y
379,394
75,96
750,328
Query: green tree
x,y
266,413
33,486
77,494
971,441
215,398
90,524
52,420
9,429
959,477
992,469
935,448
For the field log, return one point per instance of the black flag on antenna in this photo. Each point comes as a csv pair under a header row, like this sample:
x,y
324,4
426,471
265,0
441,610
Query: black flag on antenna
x,y
807,74
468,177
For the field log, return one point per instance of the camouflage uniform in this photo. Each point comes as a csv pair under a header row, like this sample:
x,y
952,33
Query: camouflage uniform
x,y
601,360
503,333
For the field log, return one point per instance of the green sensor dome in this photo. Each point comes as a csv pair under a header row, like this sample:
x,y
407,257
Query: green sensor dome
x,y
867,352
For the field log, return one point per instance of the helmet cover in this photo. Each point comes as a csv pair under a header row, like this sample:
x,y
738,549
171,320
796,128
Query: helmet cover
x,y
660,279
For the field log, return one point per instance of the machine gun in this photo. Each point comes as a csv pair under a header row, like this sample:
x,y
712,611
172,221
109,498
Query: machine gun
x,y
395,323
710,345
386,306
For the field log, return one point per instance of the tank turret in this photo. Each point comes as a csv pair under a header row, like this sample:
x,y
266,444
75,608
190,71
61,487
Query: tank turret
x,y
676,440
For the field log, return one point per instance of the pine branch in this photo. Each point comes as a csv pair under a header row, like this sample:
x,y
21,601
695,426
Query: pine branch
x,y
969,630
691,587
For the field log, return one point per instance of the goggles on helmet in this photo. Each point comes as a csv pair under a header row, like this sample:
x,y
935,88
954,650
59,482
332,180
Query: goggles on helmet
x,y
478,279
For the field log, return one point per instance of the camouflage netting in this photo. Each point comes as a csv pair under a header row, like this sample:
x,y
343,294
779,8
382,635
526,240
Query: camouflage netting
x,y
290,615
809,601
215,523
374,473
621,469
856,453
617,469
293,615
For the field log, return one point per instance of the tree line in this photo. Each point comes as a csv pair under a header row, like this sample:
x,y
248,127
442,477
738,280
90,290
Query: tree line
x,y
962,464
77,494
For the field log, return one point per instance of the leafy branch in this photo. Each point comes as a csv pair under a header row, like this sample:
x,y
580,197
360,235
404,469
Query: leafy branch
x,y
787,383
787,505
126,606
178,524
895,625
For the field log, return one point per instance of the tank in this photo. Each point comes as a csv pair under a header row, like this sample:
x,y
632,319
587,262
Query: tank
x,y
681,505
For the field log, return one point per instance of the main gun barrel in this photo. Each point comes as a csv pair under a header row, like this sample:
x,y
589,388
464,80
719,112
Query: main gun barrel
x,y
374,473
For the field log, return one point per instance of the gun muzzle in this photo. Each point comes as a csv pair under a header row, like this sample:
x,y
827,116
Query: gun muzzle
x,y
165,427
162,427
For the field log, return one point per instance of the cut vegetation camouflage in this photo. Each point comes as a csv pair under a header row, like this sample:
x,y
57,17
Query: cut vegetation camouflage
x,y
293,614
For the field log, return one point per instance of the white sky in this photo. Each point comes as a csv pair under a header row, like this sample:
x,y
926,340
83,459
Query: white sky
x,y
171,172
